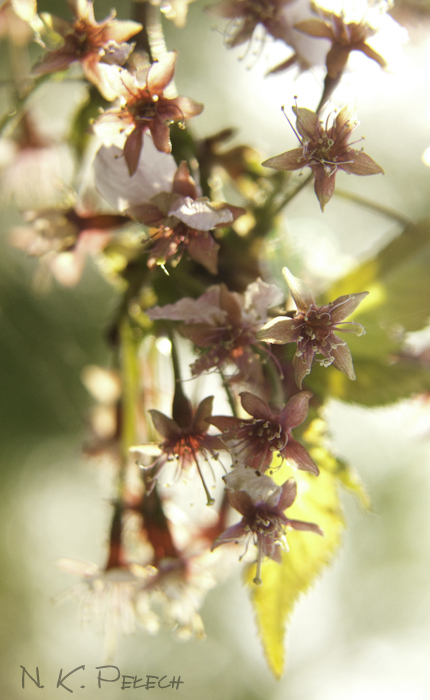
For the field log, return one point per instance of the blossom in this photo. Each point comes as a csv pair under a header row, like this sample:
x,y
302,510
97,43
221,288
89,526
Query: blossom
x,y
245,15
144,107
313,329
89,42
254,441
346,35
62,238
184,441
262,504
325,149
166,199
224,325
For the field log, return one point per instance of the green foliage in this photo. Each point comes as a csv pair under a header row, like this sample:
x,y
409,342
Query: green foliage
x,y
284,583
398,283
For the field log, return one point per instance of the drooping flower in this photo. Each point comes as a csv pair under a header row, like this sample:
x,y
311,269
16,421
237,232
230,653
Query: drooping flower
x,y
325,149
144,107
346,34
63,238
313,329
224,325
88,42
166,199
246,15
255,441
262,504
184,439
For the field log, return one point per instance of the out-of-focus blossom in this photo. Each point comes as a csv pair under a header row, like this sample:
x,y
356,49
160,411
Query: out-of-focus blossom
x,y
63,238
246,15
184,439
88,42
104,385
224,325
144,107
255,441
14,22
166,199
107,598
313,329
35,170
325,149
262,504
348,26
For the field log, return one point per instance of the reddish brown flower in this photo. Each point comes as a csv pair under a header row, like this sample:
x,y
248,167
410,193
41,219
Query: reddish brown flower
x,y
184,441
313,329
262,504
224,325
88,42
144,107
245,15
255,441
345,36
325,149
166,199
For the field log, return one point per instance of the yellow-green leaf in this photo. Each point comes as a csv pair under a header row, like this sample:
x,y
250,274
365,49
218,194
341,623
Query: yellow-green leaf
x,y
285,582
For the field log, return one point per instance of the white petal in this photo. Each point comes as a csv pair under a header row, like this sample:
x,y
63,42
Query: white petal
x,y
200,214
259,297
154,174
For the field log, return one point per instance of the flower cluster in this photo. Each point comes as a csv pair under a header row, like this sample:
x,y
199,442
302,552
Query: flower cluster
x,y
181,227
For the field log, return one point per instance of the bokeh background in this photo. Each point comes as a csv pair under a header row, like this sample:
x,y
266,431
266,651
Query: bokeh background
x,y
364,631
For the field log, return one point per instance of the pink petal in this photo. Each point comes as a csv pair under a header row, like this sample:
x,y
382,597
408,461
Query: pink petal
x,y
279,330
203,412
295,411
121,30
300,291
343,361
166,426
288,495
225,423
307,123
255,406
183,183
181,108
324,185
259,297
161,73
291,160
200,214
301,525
161,135
302,366
294,450
205,310
203,249
343,306
315,27
233,533
361,164
230,302
132,148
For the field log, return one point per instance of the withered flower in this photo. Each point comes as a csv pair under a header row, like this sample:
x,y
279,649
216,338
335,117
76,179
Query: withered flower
x,y
144,107
255,441
313,329
325,149
88,42
262,504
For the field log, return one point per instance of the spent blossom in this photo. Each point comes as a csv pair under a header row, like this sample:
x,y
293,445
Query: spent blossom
x,y
223,325
144,106
325,149
167,200
88,42
262,503
254,442
313,329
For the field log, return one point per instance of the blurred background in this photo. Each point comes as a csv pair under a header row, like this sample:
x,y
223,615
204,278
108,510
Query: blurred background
x,y
364,631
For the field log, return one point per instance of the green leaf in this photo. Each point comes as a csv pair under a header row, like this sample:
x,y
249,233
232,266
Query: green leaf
x,y
398,283
284,583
